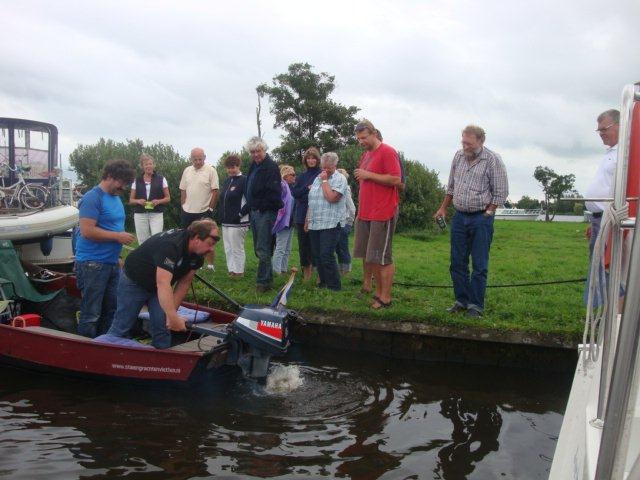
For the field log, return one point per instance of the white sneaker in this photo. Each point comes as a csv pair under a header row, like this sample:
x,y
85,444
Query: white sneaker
x,y
211,267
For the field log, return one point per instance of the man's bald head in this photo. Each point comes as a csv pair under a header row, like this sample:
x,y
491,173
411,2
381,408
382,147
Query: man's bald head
x,y
197,158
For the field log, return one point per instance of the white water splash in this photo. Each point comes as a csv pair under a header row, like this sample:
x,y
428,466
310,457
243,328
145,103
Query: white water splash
x,y
283,379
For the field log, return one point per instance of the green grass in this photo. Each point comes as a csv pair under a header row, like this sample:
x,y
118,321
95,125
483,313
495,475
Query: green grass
x,y
521,252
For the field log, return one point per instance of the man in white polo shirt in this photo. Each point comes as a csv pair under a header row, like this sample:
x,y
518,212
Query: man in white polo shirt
x,y
602,183
198,193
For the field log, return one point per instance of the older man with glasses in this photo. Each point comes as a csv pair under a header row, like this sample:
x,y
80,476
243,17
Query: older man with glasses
x,y
477,186
263,195
601,185
159,273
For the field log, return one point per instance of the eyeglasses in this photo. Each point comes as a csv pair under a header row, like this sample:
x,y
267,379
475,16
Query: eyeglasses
x,y
215,238
604,129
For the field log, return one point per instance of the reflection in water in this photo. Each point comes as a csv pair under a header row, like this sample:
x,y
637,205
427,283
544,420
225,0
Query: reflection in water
x,y
475,434
352,416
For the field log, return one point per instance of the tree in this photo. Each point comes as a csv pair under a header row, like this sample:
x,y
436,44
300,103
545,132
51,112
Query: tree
x,y
553,186
88,160
528,203
301,106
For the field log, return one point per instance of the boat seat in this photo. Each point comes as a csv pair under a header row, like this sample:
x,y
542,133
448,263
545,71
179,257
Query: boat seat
x,y
203,344
57,333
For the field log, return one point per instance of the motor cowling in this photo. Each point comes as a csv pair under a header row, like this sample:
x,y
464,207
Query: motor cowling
x,y
256,335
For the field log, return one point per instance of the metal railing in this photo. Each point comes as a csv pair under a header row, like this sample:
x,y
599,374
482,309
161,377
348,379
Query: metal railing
x,y
618,383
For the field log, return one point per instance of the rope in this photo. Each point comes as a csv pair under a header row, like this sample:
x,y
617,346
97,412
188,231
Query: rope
x,y
506,285
596,313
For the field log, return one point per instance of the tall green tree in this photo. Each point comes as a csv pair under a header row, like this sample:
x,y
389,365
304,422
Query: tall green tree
x,y
554,186
302,107
88,161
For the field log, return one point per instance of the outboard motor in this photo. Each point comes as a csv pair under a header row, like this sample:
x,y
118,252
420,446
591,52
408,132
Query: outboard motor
x,y
256,335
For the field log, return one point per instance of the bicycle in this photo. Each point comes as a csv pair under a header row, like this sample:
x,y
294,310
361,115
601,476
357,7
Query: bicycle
x,y
26,195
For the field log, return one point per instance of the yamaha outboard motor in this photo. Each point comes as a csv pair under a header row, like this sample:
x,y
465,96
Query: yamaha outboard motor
x,y
256,335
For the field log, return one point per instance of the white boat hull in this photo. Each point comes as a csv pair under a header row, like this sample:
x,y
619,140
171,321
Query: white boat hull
x,y
517,214
33,225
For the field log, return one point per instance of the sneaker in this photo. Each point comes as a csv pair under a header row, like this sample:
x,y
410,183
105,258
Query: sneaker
x,y
263,288
473,313
456,307
211,267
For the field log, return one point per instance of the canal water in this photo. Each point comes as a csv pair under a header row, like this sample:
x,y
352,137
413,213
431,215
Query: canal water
x,y
324,413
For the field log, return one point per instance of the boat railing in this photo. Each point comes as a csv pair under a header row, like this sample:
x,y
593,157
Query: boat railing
x,y
618,345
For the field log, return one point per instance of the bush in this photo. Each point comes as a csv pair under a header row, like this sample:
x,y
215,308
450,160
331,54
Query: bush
x,y
88,161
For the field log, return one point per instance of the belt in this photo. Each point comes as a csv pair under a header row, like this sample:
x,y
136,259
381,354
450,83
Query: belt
x,y
472,213
596,214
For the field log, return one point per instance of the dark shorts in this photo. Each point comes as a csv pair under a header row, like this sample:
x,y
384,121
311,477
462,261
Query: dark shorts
x,y
373,240
187,219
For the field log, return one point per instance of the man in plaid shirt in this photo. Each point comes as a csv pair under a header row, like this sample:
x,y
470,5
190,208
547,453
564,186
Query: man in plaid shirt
x,y
477,186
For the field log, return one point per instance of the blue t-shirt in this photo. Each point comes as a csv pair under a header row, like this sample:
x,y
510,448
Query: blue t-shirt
x,y
108,211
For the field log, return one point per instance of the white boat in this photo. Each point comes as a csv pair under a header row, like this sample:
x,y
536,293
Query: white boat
x,y
27,225
600,434
518,213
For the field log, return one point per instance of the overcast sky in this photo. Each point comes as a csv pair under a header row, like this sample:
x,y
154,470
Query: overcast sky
x,y
534,74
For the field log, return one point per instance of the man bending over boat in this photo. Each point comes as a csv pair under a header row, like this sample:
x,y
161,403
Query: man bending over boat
x,y
159,273
98,248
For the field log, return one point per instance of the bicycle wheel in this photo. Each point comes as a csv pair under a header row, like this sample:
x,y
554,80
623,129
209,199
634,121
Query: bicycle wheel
x,y
33,197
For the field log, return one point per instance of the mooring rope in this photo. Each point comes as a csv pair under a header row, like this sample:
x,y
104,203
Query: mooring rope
x,y
596,311
505,285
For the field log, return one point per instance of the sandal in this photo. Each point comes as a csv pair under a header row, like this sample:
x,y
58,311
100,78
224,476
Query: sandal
x,y
380,303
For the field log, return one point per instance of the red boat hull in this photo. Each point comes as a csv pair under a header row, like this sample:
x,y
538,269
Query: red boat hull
x,y
49,350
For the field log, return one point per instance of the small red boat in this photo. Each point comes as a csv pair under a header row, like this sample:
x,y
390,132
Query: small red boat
x,y
224,341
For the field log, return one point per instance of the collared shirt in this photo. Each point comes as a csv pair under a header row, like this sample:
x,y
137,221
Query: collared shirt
x,y
323,214
601,185
198,185
476,184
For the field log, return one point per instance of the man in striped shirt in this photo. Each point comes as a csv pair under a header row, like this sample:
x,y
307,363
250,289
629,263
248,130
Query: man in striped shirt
x,y
477,186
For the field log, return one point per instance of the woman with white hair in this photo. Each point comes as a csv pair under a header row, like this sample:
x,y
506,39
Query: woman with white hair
x,y
325,217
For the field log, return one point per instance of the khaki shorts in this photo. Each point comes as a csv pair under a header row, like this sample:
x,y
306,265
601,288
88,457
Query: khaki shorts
x,y
373,240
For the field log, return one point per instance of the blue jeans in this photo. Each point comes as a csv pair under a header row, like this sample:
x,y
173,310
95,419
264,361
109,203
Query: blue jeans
x,y
471,234
323,247
342,249
261,228
127,314
98,283
283,249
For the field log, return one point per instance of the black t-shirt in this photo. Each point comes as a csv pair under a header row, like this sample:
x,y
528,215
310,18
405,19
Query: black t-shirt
x,y
166,250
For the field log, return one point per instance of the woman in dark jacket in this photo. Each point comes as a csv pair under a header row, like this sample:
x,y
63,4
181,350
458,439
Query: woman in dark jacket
x,y
300,192
234,225
149,194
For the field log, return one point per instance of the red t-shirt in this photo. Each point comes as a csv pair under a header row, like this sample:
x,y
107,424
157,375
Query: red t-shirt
x,y
379,202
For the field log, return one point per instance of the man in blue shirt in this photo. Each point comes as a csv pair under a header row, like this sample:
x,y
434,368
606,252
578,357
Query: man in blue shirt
x,y
98,248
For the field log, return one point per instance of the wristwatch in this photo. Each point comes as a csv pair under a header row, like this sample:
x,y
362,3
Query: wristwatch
x,y
325,181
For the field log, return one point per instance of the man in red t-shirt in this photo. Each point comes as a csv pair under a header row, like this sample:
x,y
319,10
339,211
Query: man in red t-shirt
x,y
379,175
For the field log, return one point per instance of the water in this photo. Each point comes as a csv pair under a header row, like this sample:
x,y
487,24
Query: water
x,y
324,414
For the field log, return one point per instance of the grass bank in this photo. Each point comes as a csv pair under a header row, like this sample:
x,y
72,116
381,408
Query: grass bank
x,y
522,252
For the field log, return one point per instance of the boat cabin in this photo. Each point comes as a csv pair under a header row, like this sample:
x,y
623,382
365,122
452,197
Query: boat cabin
x,y
31,144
